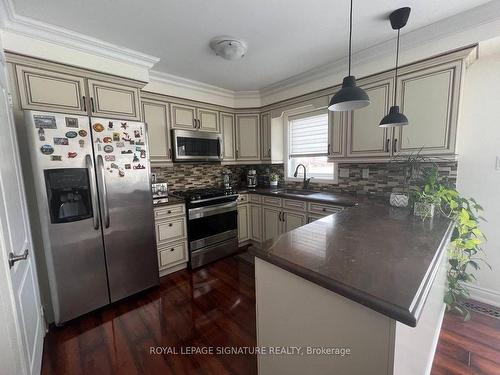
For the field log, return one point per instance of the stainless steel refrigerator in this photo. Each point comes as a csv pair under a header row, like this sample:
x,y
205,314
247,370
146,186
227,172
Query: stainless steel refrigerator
x,y
93,192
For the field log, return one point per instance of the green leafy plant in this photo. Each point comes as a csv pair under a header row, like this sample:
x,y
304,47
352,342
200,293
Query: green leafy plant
x,y
411,167
464,250
274,177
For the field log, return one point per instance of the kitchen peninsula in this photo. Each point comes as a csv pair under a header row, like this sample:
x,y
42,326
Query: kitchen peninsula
x,y
369,279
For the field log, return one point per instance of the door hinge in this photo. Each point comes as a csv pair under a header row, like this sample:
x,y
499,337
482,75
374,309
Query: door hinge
x,y
9,99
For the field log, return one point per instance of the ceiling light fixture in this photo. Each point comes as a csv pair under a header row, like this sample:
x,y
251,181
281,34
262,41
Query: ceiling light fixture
x,y
349,97
229,48
398,20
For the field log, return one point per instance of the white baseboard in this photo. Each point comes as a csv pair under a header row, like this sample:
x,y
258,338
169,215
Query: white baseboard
x,y
488,296
435,340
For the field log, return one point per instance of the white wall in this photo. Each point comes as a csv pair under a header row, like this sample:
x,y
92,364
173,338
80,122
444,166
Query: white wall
x,y
478,147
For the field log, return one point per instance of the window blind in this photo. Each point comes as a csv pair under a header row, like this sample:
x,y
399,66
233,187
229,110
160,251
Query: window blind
x,y
308,135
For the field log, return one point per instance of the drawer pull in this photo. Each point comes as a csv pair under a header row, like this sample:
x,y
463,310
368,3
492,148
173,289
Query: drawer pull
x,y
169,212
170,224
172,249
324,209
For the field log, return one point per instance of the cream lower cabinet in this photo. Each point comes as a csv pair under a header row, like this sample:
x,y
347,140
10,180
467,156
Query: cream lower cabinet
x,y
292,220
171,238
243,230
155,115
255,216
271,222
247,137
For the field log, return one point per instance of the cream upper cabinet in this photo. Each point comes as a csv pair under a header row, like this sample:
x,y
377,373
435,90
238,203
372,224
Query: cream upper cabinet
x,y
46,90
292,220
336,133
429,98
271,222
364,136
265,136
155,115
256,222
183,117
113,100
192,118
243,223
208,120
228,136
247,137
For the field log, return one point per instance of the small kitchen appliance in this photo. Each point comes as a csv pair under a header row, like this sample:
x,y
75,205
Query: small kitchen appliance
x,y
252,178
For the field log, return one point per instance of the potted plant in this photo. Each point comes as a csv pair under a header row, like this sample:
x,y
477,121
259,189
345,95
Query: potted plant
x,y
273,179
410,166
428,196
464,250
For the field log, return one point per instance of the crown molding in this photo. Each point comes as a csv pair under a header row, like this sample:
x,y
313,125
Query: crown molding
x,y
476,17
15,23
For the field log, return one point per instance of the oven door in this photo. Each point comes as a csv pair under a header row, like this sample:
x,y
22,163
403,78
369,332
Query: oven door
x,y
213,224
196,146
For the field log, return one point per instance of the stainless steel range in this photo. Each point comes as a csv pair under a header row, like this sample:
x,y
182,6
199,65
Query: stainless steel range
x,y
212,224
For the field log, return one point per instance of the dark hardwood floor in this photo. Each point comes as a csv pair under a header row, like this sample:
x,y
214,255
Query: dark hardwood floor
x,y
471,347
215,307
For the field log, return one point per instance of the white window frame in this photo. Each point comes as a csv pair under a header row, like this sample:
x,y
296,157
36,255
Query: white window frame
x,y
286,141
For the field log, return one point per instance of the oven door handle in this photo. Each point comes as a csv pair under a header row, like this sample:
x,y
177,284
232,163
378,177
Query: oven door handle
x,y
196,213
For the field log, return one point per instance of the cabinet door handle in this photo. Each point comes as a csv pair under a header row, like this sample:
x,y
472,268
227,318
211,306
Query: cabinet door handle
x,y
84,103
13,258
236,154
269,152
194,123
387,145
394,146
199,123
170,153
329,149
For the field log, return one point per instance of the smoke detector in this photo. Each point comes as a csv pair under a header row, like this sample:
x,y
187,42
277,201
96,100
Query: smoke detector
x,y
229,48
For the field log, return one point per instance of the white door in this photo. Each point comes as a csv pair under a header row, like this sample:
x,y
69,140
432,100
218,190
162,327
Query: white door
x,y
22,299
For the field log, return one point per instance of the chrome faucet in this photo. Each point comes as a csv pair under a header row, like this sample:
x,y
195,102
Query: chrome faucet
x,y
305,181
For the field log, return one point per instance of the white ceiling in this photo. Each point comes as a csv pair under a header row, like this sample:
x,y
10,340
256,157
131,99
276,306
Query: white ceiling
x,y
285,37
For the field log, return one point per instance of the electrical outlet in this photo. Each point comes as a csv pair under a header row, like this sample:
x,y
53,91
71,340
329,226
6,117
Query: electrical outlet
x,y
365,172
344,172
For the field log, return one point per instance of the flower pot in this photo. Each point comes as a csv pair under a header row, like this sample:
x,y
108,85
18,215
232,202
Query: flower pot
x,y
398,200
424,209
274,183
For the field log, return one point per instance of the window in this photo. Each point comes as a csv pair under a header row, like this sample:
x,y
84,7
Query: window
x,y
308,145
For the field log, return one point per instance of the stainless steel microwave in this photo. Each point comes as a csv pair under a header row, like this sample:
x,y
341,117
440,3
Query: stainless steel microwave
x,y
189,146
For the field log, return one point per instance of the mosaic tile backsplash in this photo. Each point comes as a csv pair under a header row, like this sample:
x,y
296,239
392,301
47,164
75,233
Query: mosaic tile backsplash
x,y
382,180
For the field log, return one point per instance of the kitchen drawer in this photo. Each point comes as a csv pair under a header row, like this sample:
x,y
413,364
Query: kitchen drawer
x,y
254,198
242,198
271,201
170,230
172,253
169,211
323,209
295,205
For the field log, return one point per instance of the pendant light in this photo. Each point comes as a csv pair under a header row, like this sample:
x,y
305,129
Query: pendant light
x,y
349,97
398,20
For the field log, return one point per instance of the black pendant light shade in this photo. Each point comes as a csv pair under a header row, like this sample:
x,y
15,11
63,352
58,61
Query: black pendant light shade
x,y
349,97
398,20
393,118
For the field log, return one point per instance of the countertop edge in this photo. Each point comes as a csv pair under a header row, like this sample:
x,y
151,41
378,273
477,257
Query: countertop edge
x,y
307,198
409,316
418,303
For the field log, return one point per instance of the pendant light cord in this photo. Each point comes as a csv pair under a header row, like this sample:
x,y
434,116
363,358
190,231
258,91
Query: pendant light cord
x,y
397,62
350,37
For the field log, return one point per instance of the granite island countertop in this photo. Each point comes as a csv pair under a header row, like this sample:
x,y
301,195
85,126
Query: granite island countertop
x,y
374,254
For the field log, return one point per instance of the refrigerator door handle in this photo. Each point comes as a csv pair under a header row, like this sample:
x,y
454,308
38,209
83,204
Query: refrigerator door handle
x,y
93,190
104,200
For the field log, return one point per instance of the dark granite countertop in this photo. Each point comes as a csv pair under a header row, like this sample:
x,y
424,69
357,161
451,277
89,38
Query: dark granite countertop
x,y
171,200
311,196
379,256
